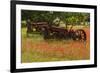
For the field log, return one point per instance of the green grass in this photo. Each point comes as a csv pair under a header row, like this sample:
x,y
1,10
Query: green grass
x,y
30,54
38,57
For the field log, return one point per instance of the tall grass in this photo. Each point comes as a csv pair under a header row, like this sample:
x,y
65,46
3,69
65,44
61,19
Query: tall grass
x,y
36,49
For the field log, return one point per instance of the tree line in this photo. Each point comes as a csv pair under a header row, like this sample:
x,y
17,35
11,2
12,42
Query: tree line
x,y
73,18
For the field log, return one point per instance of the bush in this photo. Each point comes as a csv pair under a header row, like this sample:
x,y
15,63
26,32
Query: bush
x,y
23,24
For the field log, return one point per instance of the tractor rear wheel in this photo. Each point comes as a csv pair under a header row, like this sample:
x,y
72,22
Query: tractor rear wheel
x,y
80,35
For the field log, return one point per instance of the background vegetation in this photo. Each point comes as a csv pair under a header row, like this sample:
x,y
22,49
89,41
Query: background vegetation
x,y
67,18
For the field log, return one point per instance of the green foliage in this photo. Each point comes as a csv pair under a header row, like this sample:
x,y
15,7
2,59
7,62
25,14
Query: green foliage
x,y
75,18
23,24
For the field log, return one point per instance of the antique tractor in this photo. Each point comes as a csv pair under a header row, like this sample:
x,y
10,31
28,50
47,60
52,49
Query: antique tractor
x,y
61,33
53,32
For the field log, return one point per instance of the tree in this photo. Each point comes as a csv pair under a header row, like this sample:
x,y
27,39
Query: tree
x,y
74,18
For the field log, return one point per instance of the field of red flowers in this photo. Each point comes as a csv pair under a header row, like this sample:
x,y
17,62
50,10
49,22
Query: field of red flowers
x,y
39,50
